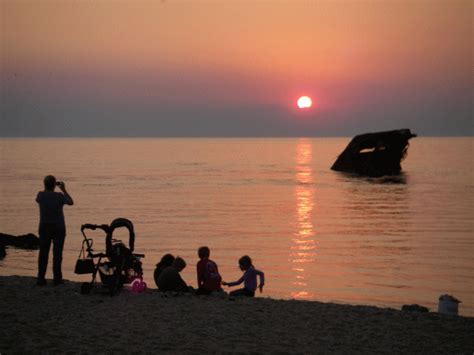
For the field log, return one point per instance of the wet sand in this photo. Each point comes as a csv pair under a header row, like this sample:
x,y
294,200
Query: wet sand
x,y
60,319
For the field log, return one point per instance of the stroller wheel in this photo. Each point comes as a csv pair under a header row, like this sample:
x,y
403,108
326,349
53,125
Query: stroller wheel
x,y
114,289
86,288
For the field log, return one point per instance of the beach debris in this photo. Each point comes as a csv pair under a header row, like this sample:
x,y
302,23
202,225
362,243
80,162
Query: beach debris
x,y
375,154
414,308
448,305
26,241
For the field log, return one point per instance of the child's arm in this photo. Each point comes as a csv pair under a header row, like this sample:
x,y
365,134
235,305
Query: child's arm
x,y
235,283
262,279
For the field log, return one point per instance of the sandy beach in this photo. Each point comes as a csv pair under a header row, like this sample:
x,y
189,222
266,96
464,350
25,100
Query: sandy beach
x,y
60,319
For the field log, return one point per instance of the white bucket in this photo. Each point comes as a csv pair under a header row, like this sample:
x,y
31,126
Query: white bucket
x,y
448,305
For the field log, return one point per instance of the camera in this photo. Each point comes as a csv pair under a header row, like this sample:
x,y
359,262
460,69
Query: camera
x,y
58,183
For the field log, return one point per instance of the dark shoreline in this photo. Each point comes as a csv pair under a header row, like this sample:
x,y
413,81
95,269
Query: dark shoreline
x,y
59,319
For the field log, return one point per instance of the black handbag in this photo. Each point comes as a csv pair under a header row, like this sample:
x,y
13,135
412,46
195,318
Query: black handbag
x,y
84,265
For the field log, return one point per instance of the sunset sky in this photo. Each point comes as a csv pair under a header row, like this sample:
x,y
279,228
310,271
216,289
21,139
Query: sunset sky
x,y
234,68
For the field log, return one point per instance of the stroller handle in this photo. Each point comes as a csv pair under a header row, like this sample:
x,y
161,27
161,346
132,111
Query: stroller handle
x,y
88,226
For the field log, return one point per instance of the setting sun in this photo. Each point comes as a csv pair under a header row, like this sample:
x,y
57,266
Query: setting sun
x,y
304,102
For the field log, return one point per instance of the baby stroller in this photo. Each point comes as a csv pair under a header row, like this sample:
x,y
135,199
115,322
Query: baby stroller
x,y
117,266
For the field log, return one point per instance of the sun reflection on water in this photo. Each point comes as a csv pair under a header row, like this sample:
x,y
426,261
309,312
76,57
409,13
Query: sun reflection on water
x,y
304,246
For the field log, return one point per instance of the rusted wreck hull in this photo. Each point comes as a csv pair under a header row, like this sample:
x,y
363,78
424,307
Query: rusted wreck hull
x,y
375,154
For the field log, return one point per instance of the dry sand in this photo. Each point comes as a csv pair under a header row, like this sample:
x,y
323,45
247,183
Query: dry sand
x,y
60,319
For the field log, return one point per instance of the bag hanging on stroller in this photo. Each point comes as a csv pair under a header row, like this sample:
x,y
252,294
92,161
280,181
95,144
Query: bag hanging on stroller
x,y
84,264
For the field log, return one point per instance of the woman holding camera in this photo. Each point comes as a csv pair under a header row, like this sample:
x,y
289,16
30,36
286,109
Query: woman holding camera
x,y
52,227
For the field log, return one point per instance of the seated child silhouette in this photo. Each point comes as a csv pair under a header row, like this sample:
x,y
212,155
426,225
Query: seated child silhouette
x,y
249,278
166,260
208,277
170,279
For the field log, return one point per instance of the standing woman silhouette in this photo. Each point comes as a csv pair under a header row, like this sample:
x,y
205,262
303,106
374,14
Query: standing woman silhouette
x,y
52,227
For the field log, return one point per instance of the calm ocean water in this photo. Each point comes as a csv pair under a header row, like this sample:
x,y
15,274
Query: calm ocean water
x,y
316,233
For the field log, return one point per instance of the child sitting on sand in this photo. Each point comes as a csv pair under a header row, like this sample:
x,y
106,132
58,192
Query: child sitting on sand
x,y
166,260
208,277
170,279
249,278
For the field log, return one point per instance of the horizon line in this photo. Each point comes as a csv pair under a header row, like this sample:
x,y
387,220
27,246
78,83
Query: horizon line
x,y
219,137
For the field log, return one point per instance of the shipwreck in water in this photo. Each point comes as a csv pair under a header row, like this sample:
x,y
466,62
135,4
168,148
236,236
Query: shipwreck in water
x,y
375,154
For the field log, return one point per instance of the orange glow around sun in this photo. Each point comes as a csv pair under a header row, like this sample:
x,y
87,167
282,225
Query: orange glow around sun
x,y
304,102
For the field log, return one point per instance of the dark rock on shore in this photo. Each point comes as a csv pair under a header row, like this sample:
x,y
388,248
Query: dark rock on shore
x,y
26,241
415,308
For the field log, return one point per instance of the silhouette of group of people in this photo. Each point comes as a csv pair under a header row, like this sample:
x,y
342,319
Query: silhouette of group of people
x,y
167,276
52,230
